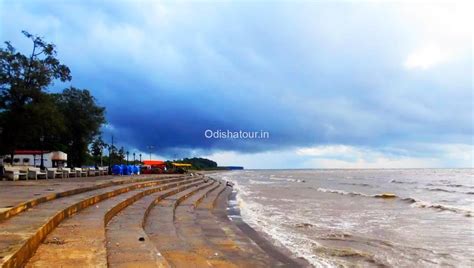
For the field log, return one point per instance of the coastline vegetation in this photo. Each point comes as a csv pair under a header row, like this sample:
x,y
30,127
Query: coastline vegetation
x,y
33,118
197,163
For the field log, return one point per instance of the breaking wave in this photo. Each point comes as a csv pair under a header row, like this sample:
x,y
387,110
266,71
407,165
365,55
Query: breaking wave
x,y
254,213
289,179
382,195
452,185
403,182
423,204
357,184
447,191
441,190
259,182
413,201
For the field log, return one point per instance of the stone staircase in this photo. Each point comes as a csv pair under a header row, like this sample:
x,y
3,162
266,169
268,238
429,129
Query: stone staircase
x,y
164,221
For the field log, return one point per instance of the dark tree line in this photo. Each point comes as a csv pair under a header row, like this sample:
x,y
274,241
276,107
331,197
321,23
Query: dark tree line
x,y
32,118
114,155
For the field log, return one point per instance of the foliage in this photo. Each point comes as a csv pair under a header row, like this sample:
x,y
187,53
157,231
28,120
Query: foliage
x,y
83,119
197,163
31,118
121,153
97,149
70,121
23,101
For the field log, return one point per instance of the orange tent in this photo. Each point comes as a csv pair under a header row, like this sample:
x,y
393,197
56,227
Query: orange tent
x,y
154,162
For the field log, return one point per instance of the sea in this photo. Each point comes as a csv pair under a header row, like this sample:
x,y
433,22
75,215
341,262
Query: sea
x,y
362,218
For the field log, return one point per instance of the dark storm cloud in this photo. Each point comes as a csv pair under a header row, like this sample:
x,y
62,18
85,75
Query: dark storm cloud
x,y
308,74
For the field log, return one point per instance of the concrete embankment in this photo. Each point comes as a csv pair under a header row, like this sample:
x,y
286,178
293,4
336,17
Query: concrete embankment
x,y
141,221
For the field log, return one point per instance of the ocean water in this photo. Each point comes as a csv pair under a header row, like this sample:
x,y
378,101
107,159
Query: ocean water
x,y
337,218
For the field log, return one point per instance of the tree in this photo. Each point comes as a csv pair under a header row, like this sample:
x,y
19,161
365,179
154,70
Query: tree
x,y
31,118
112,154
83,118
97,148
196,162
121,154
25,108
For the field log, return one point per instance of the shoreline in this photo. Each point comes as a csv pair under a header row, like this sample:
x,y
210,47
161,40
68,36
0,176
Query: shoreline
x,y
339,218
279,253
83,215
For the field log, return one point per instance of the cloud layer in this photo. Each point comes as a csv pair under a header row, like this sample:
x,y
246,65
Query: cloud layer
x,y
368,76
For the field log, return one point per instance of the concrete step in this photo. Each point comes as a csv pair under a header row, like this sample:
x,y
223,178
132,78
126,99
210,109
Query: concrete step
x,y
80,240
184,213
22,234
37,193
190,233
209,201
223,235
160,228
215,186
127,243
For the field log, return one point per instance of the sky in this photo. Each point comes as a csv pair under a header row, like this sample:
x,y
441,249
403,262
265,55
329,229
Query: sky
x,y
336,84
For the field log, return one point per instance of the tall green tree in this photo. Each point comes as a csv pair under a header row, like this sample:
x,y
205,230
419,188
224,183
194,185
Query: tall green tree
x,y
83,118
26,112
121,154
97,149
113,156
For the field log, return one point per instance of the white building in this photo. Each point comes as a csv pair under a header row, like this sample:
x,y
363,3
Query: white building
x,y
33,158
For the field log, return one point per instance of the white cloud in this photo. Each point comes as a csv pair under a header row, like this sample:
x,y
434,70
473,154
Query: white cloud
x,y
380,162
264,160
440,31
426,57
313,72
346,156
461,153
329,151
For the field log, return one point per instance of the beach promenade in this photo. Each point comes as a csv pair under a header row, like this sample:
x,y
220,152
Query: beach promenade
x,y
139,221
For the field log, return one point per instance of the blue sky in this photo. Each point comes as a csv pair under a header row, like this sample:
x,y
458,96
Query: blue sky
x,y
337,84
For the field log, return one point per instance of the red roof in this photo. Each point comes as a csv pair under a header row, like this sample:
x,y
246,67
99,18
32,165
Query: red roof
x,y
30,152
154,162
